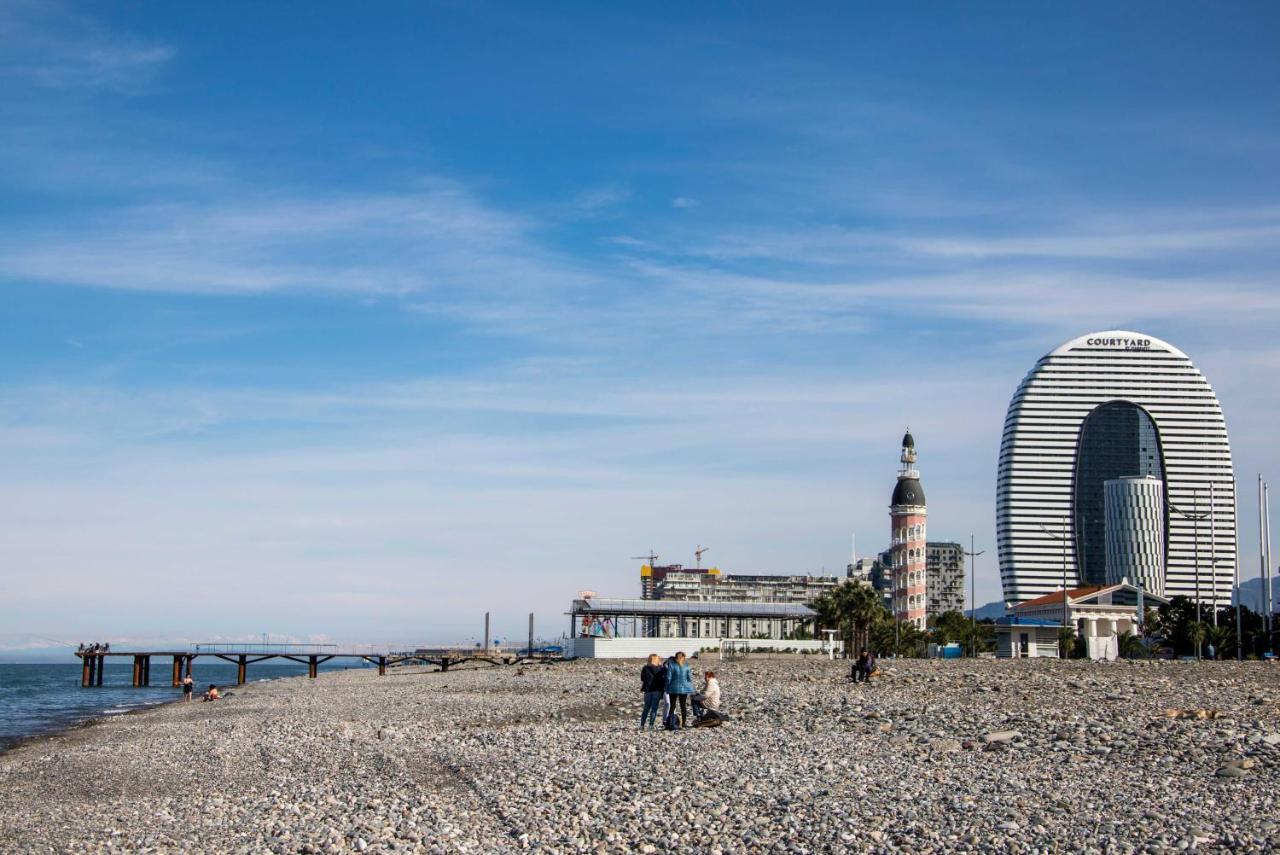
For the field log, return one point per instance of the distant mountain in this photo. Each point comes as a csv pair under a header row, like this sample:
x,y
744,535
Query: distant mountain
x,y
1251,592
991,611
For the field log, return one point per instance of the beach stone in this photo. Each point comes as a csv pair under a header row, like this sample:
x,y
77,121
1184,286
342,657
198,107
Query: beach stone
x,y
489,761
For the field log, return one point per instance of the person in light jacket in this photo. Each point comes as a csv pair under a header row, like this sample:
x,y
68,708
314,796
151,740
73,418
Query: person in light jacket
x,y
679,686
709,697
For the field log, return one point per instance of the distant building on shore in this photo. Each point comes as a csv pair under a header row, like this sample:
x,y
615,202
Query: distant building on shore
x,y
907,513
709,585
675,583
944,570
1106,406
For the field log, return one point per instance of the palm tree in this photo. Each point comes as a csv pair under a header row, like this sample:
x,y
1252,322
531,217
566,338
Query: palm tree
x,y
1066,641
852,609
828,614
1223,639
911,640
1197,631
1130,646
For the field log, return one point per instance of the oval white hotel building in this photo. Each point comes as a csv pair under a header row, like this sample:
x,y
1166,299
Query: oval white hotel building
x,y
1103,406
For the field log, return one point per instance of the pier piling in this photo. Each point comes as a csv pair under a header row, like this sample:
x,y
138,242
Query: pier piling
x,y
93,664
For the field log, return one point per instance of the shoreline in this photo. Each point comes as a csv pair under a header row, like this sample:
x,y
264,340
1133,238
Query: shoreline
x,y
81,721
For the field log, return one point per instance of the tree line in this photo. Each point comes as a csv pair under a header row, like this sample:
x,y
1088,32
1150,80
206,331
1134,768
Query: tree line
x,y
857,613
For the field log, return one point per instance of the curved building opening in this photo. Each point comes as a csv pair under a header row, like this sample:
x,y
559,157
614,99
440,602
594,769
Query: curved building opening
x,y
1117,440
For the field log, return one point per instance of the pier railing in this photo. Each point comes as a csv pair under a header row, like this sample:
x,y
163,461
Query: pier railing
x,y
313,656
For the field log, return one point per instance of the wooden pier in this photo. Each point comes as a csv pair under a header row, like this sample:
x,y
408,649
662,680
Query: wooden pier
x,y
92,661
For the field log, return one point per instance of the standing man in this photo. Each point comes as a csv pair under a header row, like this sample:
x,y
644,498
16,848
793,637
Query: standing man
x,y
653,683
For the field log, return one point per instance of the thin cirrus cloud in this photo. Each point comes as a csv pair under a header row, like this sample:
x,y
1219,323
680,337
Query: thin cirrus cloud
x,y
54,47
436,236
447,251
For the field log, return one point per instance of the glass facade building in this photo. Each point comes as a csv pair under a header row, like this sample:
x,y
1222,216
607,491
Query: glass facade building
x,y
1106,406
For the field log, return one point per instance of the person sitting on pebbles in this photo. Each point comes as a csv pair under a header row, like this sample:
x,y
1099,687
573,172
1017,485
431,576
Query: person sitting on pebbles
x,y
212,694
706,704
864,667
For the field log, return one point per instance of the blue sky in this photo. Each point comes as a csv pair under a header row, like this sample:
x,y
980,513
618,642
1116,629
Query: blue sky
x,y
358,323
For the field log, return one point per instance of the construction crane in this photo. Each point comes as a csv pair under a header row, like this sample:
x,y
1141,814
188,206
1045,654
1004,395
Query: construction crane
x,y
652,558
697,553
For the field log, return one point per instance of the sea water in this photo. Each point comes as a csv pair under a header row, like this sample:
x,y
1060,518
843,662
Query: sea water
x,y
40,698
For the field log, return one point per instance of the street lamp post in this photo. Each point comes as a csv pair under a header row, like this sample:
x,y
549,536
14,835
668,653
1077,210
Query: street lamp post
x,y
1195,516
1066,604
973,599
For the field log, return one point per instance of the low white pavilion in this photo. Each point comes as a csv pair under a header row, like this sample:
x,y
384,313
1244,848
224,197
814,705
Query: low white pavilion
x,y
1100,613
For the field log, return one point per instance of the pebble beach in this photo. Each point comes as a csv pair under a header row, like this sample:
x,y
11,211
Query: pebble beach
x,y
954,756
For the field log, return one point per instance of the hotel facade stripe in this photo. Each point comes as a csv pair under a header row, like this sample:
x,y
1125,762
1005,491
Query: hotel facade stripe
x,y
1035,486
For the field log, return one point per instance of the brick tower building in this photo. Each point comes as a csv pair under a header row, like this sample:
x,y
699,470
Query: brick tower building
x,y
907,515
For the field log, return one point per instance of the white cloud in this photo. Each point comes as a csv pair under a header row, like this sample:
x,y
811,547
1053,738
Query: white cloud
x,y
55,47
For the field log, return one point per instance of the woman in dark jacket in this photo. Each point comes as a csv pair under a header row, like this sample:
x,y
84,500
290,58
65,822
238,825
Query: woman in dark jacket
x,y
653,682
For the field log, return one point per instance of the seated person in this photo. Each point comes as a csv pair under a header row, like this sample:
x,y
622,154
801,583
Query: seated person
x,y
864,667
212,694
706,704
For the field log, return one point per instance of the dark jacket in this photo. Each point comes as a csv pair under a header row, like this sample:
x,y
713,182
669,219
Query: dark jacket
x,y
653,678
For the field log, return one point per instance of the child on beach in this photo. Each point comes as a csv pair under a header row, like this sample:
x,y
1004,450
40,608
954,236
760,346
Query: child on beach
x,y
188,685
653,684
212,694
708,698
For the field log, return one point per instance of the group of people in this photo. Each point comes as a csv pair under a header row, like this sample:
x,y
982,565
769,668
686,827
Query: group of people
x,y
188,688
93,648
668,685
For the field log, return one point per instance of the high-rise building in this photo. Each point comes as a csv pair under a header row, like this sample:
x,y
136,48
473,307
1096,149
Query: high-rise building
x,y
944,578
907,514
1103,406
1134,509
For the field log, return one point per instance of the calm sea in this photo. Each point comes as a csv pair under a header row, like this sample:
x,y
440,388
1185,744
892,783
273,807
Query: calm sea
x,y
36,699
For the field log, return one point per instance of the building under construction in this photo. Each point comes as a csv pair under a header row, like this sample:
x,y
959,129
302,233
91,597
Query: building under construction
x,y
709,585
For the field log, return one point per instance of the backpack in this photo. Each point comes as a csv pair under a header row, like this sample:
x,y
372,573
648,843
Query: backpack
x,y
672,721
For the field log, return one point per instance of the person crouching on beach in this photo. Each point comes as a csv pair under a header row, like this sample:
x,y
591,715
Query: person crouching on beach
x,y
680,686
861,672
188,686
709,697
212,694
653,683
